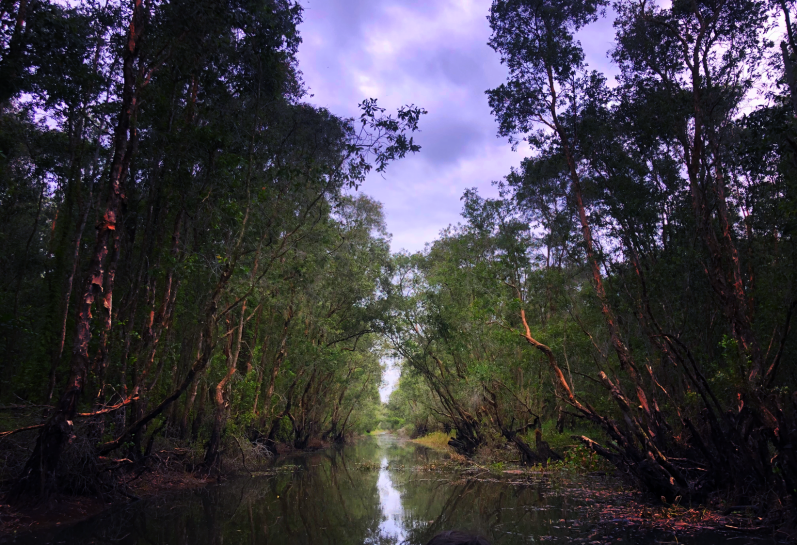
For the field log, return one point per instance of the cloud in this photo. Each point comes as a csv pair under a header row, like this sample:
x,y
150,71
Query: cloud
x,y
435,55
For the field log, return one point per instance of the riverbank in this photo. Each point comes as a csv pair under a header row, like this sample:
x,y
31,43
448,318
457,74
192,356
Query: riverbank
x,y
170,469
63,510
436,440
622,506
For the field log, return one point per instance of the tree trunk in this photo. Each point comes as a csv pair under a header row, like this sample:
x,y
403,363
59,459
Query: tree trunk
x,y
468,433
275,369
67,296
340,436
207,343
275,420
788,59
11,68
189,403
334,419
212,455
158,322
196,422
38,476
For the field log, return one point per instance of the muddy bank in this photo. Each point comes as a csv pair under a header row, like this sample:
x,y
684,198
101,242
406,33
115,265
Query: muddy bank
x,y
615,508
63,510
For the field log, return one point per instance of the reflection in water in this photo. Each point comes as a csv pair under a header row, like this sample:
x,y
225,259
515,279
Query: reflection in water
x,y
392,527
333,498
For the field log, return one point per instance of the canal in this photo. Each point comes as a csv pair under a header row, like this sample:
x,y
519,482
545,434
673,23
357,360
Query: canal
x,y
379,490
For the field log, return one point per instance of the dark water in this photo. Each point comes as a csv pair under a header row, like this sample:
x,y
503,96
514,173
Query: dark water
x,y
378,491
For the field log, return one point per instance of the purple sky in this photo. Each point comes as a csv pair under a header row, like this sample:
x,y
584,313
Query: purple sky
x,y
433,54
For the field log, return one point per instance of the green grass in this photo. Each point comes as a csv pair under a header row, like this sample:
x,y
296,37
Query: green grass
x,y
577,457
436,440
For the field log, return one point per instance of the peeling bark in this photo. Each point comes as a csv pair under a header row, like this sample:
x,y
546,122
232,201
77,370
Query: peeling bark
x,y
38,476
220,414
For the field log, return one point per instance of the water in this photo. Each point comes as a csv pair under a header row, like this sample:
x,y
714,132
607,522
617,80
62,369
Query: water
x,y
378,491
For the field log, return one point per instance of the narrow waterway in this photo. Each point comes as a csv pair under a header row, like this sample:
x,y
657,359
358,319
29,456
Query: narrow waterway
x,y
381,490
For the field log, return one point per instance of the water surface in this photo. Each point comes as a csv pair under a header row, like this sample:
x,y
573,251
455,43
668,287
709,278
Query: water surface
x,y
380,490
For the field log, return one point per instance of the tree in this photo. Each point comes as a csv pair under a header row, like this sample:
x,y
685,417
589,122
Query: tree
x,y
219,205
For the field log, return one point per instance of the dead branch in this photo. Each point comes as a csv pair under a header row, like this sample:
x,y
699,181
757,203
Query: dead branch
x,y
12,432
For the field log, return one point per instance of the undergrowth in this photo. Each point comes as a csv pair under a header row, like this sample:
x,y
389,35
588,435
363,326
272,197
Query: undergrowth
x,y
437,440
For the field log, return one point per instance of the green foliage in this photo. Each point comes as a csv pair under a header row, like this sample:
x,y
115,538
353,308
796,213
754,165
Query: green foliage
x,y
580,459
392,423
242,281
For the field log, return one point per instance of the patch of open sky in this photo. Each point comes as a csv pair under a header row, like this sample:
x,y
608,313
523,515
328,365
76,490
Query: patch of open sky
x,y
391,371
435,55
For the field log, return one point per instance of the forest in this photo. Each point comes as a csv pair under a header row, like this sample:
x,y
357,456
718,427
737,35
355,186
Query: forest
x,y
180,253
185,255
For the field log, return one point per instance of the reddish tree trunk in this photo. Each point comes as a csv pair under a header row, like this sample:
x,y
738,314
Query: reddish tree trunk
x,y
220,415
38,476
67,296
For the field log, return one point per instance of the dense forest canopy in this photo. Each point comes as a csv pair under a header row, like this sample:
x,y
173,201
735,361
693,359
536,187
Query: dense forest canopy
x,y
183,255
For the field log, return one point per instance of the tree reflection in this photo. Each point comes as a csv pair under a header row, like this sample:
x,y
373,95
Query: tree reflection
x,y
332,497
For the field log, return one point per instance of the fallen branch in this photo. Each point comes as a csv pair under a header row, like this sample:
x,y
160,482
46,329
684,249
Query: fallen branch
x,y
596,448
115,463
12,432
110,409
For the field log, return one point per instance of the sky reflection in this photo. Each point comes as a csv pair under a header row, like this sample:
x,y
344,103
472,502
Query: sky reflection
x,y
392,527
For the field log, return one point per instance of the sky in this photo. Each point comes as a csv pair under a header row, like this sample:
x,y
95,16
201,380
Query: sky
x,y
434,54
